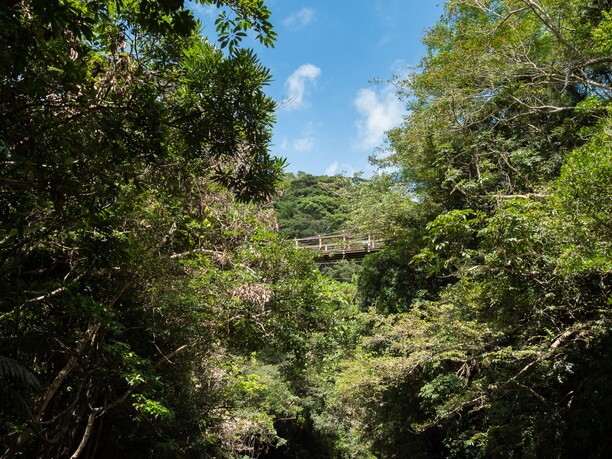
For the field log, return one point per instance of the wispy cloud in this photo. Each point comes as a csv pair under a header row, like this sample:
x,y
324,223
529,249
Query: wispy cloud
x,y
380,111
303,144
295,85
308,138
332,168
299,19
400,67
337,168
203,11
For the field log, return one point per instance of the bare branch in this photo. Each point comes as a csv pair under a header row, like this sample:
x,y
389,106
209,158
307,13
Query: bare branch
x,y
515,196
86,435
167,357
53,293
194,251
541,13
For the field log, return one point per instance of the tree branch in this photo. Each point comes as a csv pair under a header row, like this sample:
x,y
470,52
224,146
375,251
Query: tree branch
x,y
86,435
548,22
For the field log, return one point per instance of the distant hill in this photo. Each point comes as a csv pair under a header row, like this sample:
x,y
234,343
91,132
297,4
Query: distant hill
x,y
310,205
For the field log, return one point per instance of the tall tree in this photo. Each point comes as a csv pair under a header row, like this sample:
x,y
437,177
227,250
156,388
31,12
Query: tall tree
x,y
495,107
499,346
115,117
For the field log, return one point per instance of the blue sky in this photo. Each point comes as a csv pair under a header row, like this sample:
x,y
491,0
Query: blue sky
x,y
330,116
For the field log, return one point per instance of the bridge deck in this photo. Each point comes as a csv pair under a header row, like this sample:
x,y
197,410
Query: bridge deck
x,y
339,246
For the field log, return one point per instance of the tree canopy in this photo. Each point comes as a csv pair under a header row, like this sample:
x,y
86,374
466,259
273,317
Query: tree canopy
x,y
125,142
152,304
491,327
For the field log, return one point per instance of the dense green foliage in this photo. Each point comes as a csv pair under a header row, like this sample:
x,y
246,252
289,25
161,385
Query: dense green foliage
x,y
128,269
313,205
151,307
490,332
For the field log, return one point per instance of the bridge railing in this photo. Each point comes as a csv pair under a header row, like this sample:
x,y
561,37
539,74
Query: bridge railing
x,y
340,243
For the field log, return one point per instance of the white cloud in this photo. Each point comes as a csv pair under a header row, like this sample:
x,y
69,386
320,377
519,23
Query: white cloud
x,y
400,67
296,85
283,144
299,19
344,169
203,10
332,168
307,139
380,111
303,144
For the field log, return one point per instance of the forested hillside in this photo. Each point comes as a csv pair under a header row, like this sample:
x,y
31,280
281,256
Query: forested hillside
x,y
311,205
153,305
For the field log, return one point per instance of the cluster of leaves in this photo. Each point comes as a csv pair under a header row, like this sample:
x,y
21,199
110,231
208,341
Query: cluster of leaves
x,y
489,314
236,320
134,282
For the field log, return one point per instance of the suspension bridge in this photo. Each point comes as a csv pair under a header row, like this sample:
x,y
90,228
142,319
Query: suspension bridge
x,y
341,246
